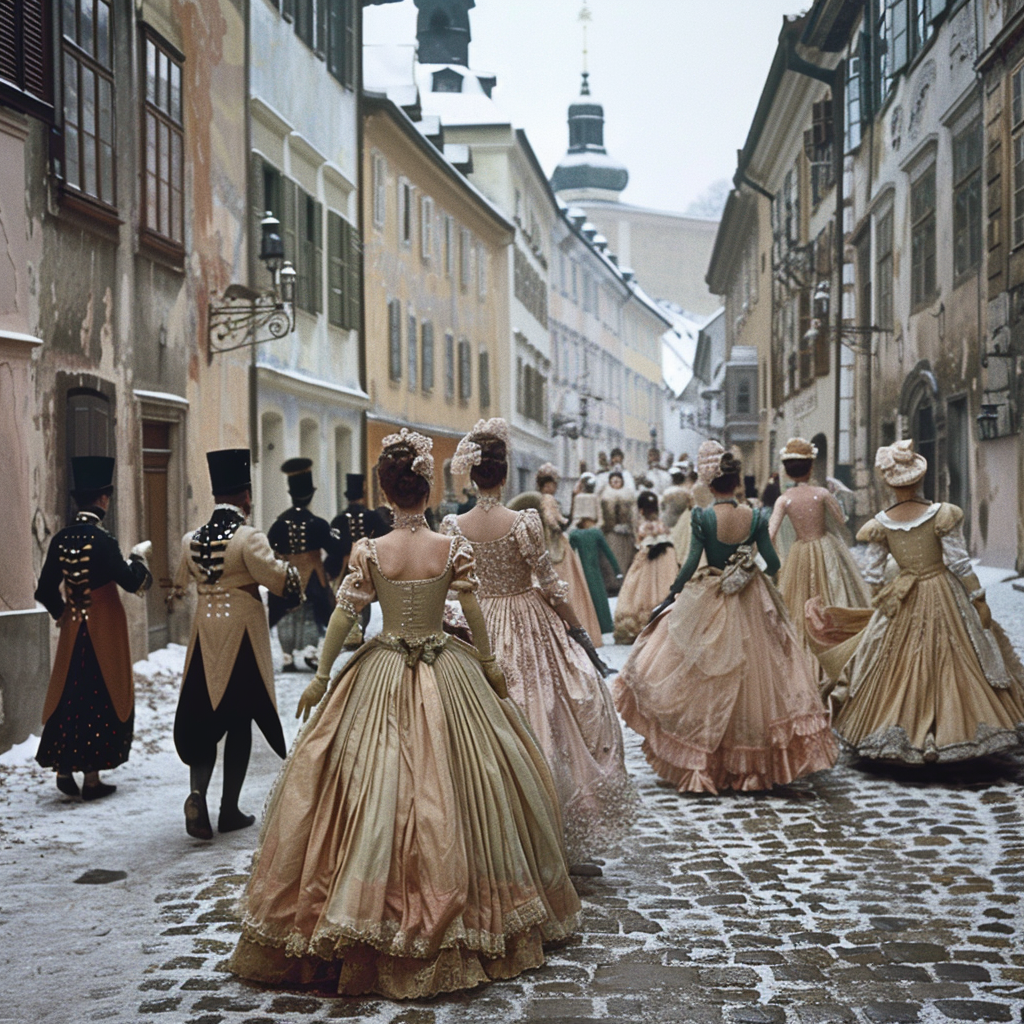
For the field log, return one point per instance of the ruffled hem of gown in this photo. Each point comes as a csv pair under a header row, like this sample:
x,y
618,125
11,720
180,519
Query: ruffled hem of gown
x,y
795,748
354,968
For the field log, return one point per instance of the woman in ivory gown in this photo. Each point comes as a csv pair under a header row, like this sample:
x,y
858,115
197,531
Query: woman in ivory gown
x,y
930,677
564,559
651,574
412,843
548,672
819,564
718,684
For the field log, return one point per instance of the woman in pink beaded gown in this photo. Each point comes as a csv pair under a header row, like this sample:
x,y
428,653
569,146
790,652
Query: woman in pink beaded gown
x,y
547,671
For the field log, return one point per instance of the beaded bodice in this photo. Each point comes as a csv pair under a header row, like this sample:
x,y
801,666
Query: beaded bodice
x,y
501,567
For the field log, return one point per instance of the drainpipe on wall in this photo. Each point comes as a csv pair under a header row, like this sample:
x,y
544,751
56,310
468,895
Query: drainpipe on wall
x,y
363,461
254,432
835,79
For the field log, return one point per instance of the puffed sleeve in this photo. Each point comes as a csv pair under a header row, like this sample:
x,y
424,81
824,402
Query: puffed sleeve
x,y
448,526
464,577
529,537
873,534
356,590
949,526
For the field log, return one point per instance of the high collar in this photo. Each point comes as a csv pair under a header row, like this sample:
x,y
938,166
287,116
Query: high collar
x,y
90,514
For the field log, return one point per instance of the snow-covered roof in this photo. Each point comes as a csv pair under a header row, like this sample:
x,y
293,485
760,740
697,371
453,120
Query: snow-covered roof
x,y
470,106
389,69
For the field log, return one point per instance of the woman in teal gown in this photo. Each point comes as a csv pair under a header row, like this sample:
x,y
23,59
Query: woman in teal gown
x,y
589,543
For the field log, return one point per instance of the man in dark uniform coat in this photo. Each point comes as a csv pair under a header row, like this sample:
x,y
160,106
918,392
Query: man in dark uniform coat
x,y
89,713
355,523
299,537
229,673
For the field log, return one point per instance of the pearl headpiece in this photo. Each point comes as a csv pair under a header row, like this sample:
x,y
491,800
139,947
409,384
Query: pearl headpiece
x,y
409,440
709,461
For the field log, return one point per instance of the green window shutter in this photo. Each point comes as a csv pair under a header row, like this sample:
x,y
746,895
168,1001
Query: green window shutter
x,y
485,380
351,54
395,339
427,356
353,257
318,257
287,218
335,270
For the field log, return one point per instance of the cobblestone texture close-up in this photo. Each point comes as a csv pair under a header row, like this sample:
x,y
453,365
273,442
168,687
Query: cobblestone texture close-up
x,y
851,896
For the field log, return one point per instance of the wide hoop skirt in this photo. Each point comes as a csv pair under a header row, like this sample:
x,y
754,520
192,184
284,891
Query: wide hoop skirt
x,y
412,843
721,690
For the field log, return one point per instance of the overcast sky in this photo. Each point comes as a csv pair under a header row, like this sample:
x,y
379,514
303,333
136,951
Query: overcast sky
x,y
679,79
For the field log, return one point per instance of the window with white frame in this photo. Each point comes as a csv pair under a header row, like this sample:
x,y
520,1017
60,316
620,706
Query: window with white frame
x,y
380,184
481,272
405,213
426,227
465,258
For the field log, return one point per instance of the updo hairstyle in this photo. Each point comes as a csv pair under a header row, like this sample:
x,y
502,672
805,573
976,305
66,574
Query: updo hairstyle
x,y
647,502
728,478
797,468
493,467
402,487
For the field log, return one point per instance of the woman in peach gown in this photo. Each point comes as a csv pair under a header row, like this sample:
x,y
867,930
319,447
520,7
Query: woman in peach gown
x,y
718,684
930,677
552,669
412,843
651,574
819,565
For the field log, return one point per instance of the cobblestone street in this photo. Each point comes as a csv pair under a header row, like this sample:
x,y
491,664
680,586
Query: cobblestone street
x,y
847,897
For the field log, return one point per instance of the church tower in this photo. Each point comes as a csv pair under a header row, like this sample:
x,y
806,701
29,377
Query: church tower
x,y
442,31
587,171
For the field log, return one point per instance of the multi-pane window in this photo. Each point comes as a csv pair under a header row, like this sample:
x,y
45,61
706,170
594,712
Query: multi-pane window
x,y
380,184
1017,113
922,239
449,367
967,149
427,357
465,371
884,269
853,103
88,100
413,352
163,180
343,272
395,339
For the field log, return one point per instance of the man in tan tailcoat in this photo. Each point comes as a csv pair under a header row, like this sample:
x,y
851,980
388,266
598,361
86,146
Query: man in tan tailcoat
x,y
229,674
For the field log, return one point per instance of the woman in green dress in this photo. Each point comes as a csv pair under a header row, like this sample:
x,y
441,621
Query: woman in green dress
x,y
589,543
719,684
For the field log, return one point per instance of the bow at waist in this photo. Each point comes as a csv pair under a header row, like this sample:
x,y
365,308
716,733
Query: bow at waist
x,y
414,648
894,593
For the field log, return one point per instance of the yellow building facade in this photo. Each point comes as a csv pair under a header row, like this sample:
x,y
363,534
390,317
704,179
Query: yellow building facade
x,y
436,292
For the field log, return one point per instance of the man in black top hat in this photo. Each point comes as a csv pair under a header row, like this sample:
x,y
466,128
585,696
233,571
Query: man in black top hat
x,y
229,672
89,712
299,537
355,523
